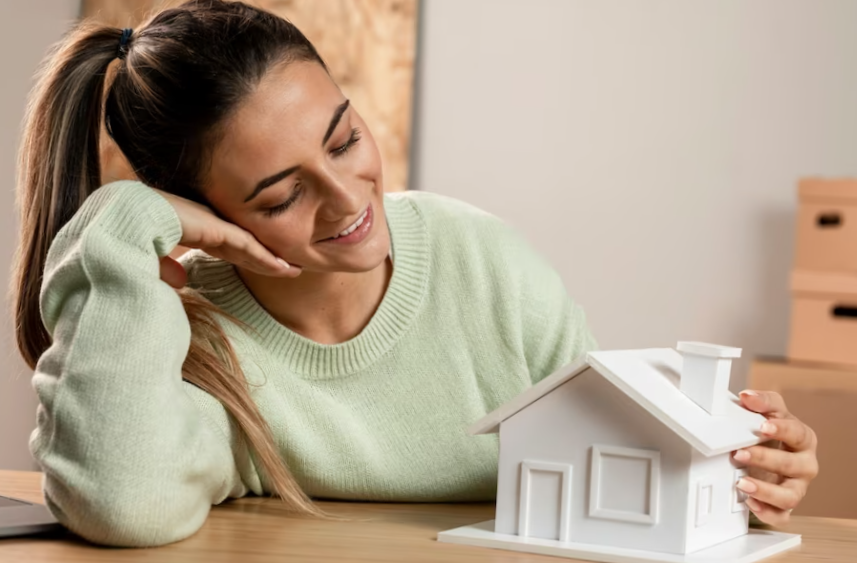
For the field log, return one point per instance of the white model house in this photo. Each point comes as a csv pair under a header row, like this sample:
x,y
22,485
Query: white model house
x,y
626,454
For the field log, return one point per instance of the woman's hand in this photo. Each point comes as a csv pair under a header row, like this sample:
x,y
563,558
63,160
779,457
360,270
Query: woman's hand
x,y
779,472
203,229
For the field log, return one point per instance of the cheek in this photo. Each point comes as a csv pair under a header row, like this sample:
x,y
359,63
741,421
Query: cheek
x,y
288,232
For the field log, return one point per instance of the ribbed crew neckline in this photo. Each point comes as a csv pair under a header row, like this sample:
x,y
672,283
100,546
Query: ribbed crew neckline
x,y
218,281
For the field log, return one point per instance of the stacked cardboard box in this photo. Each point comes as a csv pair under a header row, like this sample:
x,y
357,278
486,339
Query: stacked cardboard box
x,y
819,378
824,280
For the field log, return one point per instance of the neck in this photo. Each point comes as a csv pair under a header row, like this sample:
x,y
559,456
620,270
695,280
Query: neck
x,y
328,308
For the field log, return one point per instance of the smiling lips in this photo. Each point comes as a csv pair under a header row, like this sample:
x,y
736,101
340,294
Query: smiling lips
x,y
354,226
357,231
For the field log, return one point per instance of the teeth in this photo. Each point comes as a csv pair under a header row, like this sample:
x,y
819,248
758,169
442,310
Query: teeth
x,y
353,227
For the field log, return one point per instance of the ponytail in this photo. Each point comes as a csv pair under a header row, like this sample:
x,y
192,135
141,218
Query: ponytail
x,y
58,164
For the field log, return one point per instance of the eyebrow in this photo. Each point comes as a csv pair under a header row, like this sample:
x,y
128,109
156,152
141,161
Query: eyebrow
x,y
271,180
334,121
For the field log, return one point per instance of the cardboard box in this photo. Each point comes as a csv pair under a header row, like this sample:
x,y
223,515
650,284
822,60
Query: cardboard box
x,y
826,400
827,225
823,318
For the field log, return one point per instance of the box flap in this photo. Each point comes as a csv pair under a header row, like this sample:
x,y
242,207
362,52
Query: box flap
x,y
828,189
827,283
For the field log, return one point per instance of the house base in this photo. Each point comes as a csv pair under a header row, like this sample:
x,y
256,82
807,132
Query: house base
x,y
754,546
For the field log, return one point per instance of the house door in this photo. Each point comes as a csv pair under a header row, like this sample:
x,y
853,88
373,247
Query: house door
x,y
545,500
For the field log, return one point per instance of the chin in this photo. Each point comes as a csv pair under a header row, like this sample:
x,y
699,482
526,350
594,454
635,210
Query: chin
x,y
362,258
360,268
367,259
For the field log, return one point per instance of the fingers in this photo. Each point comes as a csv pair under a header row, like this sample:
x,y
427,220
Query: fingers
x,y
801,465
768,514
769,403
173,273
241,248
796,435
204,228
785,496
793,467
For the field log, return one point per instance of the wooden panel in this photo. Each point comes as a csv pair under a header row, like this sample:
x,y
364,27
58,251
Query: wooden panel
x,y
369,46
826,400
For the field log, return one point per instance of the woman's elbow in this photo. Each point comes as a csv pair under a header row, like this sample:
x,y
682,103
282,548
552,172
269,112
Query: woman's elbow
x,y
125,518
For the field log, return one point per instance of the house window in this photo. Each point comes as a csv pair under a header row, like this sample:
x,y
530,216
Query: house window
x,y
704,500
738,496
624,484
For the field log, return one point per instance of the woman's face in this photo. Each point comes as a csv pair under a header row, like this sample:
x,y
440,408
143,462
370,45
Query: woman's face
x,y
297,167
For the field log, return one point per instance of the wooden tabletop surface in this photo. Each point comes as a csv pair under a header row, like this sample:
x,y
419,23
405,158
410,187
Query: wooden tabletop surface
x,y
255,530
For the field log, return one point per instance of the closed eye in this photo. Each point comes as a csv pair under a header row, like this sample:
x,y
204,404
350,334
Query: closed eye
x,y
283,207
352,140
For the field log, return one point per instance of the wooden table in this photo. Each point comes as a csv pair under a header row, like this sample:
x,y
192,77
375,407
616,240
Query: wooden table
x,y
255,530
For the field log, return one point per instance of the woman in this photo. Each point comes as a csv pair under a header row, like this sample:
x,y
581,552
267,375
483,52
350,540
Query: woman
x,y
323,340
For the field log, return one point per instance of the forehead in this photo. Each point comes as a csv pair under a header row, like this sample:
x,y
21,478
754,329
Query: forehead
x,y
294,96
282,121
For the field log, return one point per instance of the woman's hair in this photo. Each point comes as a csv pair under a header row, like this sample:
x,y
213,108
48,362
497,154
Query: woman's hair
x,y
179,77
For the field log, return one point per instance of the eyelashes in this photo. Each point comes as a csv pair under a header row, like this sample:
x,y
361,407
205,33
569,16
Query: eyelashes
x,y
352,140
337,152
274,211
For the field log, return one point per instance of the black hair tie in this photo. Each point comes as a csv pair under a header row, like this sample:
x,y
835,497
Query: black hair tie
x,y
123,42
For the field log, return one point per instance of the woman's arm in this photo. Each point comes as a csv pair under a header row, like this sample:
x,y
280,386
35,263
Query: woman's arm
x,y
555,332
129,457
554,328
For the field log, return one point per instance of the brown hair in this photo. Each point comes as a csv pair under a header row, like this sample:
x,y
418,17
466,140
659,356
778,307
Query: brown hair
x,y
180,77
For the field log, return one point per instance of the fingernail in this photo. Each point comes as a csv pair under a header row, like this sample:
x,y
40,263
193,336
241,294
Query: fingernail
x,y
749,392
753,504
742,455
768,428
747,486
283,263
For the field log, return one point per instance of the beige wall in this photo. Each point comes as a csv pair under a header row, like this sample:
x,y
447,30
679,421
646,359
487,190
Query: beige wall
x,y
26,30
649,149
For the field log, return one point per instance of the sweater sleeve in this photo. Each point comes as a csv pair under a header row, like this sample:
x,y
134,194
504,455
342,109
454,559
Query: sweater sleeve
x,y
554,328
529,296
130,455
555,331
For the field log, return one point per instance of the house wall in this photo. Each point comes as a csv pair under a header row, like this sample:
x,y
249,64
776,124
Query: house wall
x,y
561,427
723,523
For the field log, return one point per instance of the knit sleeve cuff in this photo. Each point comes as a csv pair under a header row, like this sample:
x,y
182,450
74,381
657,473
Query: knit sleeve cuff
x,y
135,213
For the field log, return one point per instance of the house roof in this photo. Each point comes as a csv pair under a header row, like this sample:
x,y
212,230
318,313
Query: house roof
x,y
651,378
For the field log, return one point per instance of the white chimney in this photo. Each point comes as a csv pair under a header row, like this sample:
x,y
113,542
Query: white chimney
x,y
705,374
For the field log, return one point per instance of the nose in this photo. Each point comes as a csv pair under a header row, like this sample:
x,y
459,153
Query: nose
x,y
340,200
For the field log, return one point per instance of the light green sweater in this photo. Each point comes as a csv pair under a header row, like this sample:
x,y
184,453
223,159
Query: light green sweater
x,y
134,456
